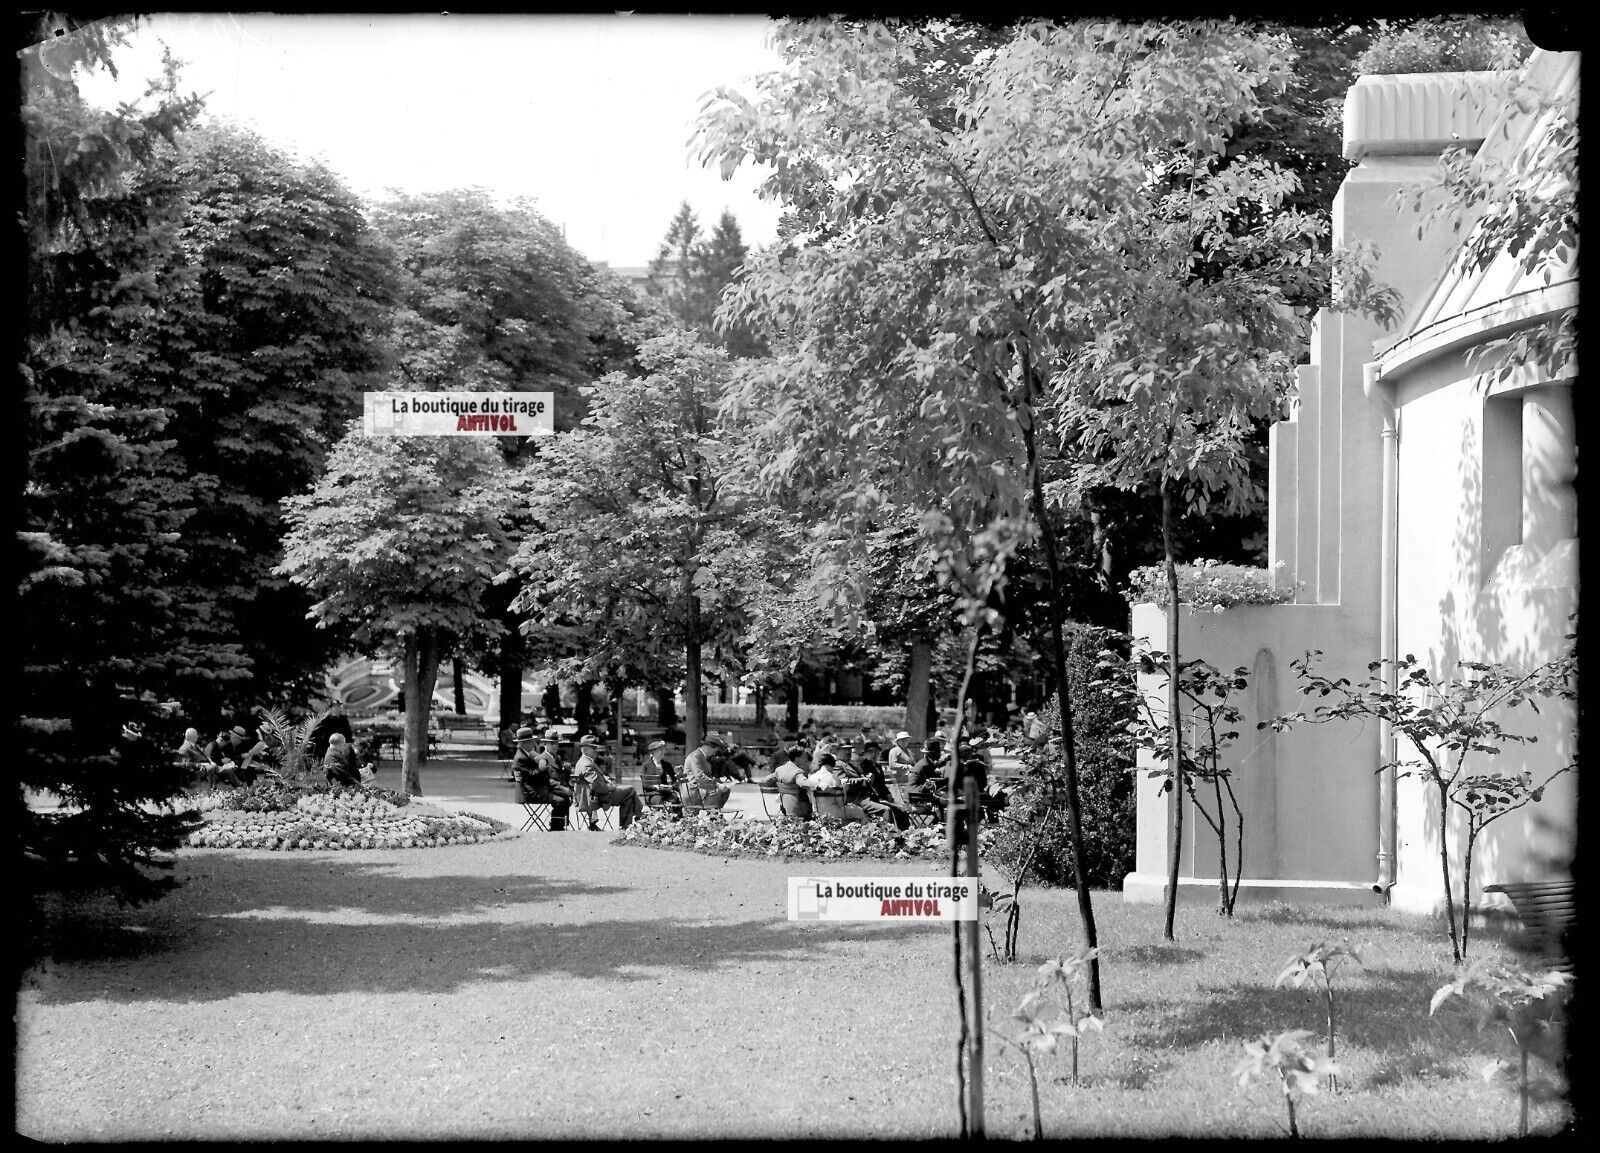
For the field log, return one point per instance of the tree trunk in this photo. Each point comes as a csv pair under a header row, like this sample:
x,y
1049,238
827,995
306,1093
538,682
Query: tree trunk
x,y
694,701
583,708
616,718
666,711
919,671
1058,662
551,701
761,706
420,656
510,676
1174,714
457,678
791,703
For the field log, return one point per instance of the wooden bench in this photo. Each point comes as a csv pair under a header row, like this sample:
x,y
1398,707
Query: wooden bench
x,y
1545,908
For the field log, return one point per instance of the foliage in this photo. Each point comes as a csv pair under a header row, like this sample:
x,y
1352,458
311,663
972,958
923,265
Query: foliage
x,y
102,636
645,555
1040,1033
1316,967
289,744
1445,44
399,542
1532,1007
1100,722
783,838
1449,725
1205,693
273,323
1525,206
1208,584
493,297
1298,1070
689,273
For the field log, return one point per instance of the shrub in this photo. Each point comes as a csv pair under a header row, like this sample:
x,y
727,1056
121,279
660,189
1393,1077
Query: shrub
x,y
1208,584
1105,787
1446,44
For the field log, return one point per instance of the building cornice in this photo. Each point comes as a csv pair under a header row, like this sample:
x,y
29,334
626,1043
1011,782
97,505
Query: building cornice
x,y
1418,114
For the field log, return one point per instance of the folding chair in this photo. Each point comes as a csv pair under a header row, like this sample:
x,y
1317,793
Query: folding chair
x,y
538,816
922,814
585,806
828,803
692,805
774,807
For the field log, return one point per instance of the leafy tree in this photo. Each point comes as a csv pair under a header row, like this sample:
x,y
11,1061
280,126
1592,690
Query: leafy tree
x,y
494,298
1450,725
399,541
691,270
640,540
943,272
101,636
272,326
1444,44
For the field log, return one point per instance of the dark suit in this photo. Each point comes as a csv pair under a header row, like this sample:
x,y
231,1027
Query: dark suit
x,y
538,774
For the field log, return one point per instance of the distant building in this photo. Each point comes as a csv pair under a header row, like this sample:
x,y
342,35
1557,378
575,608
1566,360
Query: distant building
x,y
1419,510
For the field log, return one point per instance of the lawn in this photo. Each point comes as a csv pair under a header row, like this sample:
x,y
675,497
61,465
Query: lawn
x,y
566,986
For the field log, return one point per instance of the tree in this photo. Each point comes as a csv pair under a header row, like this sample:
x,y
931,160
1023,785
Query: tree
x,y
640,541
952,247
1450,725
399,541
689,274
101,638
272,326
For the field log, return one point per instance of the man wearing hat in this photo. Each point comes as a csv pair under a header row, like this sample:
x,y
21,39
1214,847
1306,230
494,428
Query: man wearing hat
x,y
900,760
225,752
664,793
603,793
539,772
701,769
927,784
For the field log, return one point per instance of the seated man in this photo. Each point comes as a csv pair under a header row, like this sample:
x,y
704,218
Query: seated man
x,y
339,763
602,792
192,757
539,774
927,784
791,781
701,769
875,798
664,792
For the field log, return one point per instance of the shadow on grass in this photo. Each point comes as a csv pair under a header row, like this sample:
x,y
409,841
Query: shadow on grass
x,y
315,928
1159,954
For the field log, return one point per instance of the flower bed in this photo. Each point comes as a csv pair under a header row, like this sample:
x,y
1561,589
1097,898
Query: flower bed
x,y
277,816
783,839
1209,585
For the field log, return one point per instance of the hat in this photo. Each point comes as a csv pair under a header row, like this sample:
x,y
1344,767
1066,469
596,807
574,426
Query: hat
x,y
238,731
716,740
588,743
526,734
902,735
656,746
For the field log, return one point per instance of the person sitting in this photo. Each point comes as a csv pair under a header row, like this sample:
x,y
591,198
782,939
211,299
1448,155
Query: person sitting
x,y
339,763
791,781
927,784
192,758
664,792
603,793
224,753
702,768
827,779
874,797
538,773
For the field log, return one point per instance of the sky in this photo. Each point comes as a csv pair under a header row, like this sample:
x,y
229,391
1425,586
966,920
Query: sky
x,y
589,116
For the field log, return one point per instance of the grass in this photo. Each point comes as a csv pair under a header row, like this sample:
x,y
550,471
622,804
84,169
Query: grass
x,y
565,986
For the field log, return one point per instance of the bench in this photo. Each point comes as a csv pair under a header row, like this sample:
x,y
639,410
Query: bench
x,y
1545,908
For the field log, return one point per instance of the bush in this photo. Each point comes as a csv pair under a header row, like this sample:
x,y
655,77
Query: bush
x,y
1446,44
784,839
1208,584
1105,786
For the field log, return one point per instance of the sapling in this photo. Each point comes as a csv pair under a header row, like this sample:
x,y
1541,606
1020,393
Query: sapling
x,y
1315,967
1529,1005
1040,1034
1297,1068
